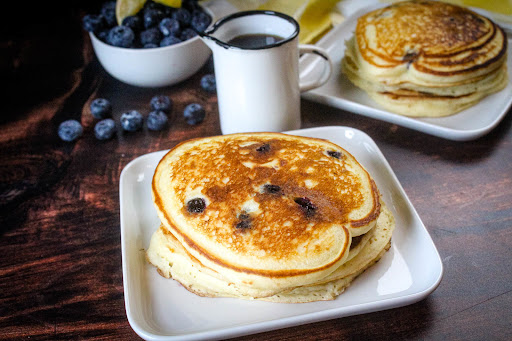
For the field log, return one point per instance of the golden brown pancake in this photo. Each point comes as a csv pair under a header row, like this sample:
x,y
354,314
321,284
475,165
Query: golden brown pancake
x,y
426,58
267,212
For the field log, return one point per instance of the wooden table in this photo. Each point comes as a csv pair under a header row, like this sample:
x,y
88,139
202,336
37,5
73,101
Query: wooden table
x,y
60,263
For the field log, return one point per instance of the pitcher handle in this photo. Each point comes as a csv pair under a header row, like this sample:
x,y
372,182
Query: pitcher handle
x,y
304,48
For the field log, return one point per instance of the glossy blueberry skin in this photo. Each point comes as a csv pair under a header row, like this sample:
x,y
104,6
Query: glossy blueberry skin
x,y
187,34
93,23
170,40
208,83
70,130
102,35
131,121
161,103
105,129
134,22
157,120
170,27
152,17
121,36
183,16
150,36
108,11
101,108
194,114
200,21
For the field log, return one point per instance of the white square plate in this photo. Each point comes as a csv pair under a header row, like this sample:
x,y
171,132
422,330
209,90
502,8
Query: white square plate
x,y
339,92
161,309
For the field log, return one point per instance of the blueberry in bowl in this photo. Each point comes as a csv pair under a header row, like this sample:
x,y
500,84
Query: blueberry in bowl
x,y
138,49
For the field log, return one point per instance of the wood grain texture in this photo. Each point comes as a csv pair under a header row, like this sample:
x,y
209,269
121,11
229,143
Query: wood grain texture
x,y
60,265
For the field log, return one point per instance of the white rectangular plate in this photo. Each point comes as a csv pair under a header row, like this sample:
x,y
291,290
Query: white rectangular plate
x,y
339,92
161,309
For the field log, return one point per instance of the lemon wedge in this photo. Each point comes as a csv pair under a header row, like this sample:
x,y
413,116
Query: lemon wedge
x,y
316,19
125,8
170,3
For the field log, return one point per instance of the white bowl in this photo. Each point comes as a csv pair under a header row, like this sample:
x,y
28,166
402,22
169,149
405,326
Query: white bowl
x,y
153,67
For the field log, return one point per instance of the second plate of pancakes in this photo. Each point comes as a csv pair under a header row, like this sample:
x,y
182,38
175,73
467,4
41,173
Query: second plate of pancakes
x,y
339,92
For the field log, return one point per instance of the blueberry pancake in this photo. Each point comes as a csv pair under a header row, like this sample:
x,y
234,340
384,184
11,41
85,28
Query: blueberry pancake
x,y
426,58
262,214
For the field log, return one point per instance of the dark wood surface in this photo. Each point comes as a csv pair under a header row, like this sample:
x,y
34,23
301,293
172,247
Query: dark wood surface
x,y
60,254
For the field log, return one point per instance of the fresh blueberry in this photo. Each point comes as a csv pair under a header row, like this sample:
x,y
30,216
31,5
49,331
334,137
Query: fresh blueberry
x,y
101,108
170,40
200,21
152,17
93,23
121,36
133,22
105,129
183,16
150,36
194,114
208,83
157,120
108,11
70,130
161,103
102,35
131,120
170,27
191,5
187,34
150,46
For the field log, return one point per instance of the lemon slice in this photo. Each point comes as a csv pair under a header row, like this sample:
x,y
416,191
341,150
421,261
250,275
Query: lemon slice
x,y
125,8
170,3
316,19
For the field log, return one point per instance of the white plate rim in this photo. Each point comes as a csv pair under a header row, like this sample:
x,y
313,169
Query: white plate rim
x,y
409,122
286,322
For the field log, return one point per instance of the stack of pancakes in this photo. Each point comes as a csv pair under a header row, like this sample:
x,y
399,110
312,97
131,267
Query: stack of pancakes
x,y
426,58
266,216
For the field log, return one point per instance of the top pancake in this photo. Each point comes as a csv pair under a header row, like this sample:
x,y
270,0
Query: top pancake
x,y
294,232
428,43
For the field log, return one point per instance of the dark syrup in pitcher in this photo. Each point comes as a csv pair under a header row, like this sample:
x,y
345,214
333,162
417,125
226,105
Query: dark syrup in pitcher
x,y
254,41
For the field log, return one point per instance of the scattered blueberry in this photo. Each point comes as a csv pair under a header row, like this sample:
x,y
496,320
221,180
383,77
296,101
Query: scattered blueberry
x,y
183,16
121,36
306,206
161,103
150,36
70,130
133,22
200,21
157,120
187,34
131,120
271,189
101,108
263,148
208,83
170,27
108,11
150,46
93,23
194,114
170,40
152,17
105,129
334,154
196,205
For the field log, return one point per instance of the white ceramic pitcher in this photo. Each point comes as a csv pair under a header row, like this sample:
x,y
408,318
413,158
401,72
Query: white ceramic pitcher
x,y
258,89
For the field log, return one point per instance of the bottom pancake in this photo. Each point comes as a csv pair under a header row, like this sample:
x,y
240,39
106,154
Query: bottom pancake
x,y
173,261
